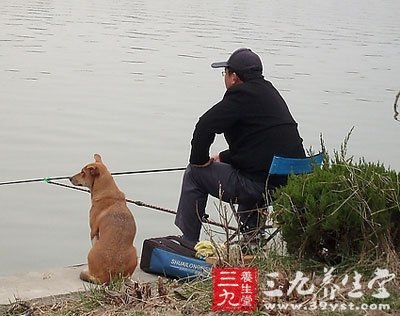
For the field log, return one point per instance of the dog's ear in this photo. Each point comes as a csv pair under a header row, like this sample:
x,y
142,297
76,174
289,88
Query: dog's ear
x,y
97,158
94,171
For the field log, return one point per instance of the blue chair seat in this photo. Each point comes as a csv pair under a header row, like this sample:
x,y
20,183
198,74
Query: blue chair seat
x,y
286,166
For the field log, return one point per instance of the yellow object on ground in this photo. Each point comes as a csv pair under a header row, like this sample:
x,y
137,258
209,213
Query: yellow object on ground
x,y
204,249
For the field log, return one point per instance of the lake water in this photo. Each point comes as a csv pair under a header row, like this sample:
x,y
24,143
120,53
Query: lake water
x,y
129,79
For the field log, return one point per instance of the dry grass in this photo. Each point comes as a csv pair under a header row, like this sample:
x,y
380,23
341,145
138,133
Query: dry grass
x,y
119,298
169,297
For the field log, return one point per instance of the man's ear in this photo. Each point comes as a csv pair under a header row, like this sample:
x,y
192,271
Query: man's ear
x,y
236,79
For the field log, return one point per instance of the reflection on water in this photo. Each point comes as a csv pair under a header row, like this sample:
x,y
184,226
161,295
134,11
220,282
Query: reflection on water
x,y
129,79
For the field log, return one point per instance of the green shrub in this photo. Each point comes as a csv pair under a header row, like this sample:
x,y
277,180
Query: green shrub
x,y
342,210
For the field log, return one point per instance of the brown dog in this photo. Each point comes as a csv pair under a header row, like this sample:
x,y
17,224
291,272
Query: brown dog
x,y
112,226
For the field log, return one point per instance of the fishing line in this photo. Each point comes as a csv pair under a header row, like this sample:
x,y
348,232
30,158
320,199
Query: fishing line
x,y
113,174
140,203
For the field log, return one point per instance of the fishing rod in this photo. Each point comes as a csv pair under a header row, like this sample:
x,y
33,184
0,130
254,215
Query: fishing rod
x,y
140,203
46,179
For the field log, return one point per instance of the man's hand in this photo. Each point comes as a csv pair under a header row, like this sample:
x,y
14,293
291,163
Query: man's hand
x,y
216,158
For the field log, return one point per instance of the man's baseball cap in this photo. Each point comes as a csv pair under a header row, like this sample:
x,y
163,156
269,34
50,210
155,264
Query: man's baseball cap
x,y
242,61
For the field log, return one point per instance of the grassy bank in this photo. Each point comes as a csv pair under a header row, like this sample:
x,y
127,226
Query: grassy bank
x,y
169,297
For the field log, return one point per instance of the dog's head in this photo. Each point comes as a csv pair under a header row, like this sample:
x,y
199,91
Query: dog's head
x,y
89,173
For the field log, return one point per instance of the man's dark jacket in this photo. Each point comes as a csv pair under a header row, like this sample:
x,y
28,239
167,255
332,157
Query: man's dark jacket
x,y
257,125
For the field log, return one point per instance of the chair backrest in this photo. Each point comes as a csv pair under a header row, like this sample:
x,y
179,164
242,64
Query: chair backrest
x,y
286,166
